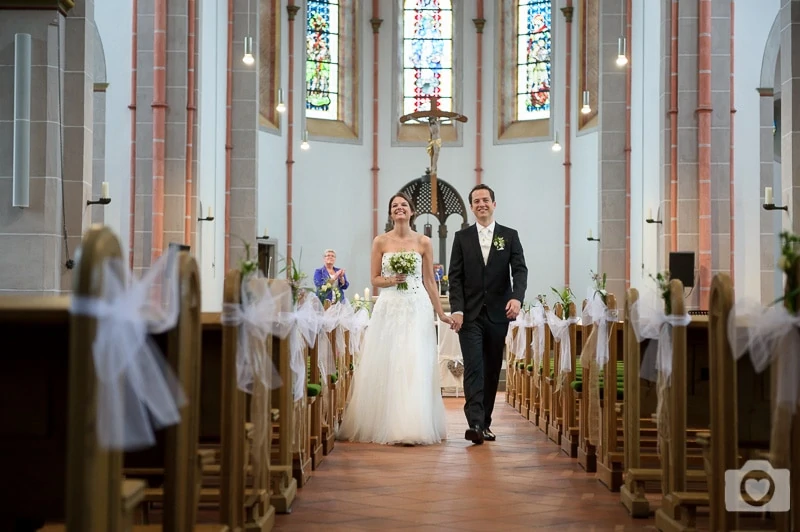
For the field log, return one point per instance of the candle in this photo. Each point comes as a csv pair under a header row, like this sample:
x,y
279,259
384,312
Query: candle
x,y
357,298
366,294
266,232
105,190
768,196
209,212
649,213
590,233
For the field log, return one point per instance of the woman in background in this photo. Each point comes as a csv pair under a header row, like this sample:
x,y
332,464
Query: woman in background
x,y
331,274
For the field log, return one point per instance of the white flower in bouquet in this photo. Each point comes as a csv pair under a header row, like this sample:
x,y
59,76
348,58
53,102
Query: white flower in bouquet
x,y
403,263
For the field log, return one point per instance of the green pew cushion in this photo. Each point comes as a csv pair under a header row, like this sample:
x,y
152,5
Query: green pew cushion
x,y
313,389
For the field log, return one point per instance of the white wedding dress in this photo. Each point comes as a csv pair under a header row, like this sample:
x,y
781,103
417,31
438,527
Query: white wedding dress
x,y
396,396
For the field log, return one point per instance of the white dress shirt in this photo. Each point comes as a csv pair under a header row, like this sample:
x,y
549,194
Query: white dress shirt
x,y
485,239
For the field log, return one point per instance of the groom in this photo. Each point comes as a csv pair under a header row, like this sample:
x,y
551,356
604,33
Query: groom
x,y
486,257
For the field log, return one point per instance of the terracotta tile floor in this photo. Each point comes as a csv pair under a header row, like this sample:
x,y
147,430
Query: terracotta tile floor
x,y
520,482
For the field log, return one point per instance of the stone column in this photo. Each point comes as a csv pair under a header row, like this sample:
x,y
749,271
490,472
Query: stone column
x,y
720,157
769,221
790,128
612,150
176,137
244,133
33,256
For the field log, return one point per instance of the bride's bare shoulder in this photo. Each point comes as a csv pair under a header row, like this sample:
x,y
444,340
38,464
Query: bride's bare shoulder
x,y
379,242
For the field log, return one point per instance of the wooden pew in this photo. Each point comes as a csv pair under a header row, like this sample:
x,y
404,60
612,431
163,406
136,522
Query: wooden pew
x,y
545,389
610,460
569,404
54,466
176,460
587,451
283,483
673,451
740,415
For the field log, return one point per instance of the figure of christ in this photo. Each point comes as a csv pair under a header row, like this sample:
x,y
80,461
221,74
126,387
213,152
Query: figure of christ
x,y
434,117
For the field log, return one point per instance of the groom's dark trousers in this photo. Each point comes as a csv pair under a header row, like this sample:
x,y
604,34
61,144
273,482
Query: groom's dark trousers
x,y
482,345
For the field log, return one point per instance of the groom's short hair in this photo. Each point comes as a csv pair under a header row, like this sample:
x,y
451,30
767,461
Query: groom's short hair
x,y
481,187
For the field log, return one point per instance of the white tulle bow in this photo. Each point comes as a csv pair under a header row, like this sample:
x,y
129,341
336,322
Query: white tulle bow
x,y
518,341
597,313
560,329
652,323
302,327
770,335
537,320
254,317
137,391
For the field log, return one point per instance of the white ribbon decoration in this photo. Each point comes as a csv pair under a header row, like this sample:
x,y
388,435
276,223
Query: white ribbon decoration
x,y
560,330
596,312
772,335
537,321
253,317
518,341
652,323
136,388
302,327
356,324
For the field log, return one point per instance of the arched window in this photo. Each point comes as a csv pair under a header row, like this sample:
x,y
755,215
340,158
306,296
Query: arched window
x,y
322,59
331,83
428,45
525,41
427,54
533,68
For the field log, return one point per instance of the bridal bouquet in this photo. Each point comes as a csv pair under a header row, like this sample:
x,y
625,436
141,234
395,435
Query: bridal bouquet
x,y
403,263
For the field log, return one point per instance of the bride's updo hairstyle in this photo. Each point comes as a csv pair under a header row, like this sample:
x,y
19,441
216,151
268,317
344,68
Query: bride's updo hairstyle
x,y
410,205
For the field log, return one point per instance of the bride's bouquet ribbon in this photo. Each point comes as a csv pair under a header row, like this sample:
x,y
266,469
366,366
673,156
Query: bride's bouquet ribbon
x,y
137,391
254,317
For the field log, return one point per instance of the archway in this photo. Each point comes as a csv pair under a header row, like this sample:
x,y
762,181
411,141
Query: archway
x,y
448,200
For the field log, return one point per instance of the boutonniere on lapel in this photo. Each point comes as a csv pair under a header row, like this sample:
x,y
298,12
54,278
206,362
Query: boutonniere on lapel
x,y
499,243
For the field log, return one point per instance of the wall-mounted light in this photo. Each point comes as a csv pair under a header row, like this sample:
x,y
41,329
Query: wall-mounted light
x,y
105,196
281,107
590,238
556,146
650,218
586,109
769,204
304,145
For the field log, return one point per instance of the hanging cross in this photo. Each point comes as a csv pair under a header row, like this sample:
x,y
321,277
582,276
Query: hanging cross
x,y
434,118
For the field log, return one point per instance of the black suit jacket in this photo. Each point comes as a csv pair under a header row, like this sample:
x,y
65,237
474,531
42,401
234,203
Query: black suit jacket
x,y
473,284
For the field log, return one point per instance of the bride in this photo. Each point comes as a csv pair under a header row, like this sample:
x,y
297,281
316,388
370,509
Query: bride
x,y
396,396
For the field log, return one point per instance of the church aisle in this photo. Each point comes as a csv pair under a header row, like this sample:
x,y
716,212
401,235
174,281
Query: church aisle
x,y
520,482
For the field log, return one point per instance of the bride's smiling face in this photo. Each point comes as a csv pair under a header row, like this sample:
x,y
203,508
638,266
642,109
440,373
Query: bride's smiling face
x,y
400,209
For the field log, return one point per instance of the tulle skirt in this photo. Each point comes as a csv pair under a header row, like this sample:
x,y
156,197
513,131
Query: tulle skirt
x,y
396,395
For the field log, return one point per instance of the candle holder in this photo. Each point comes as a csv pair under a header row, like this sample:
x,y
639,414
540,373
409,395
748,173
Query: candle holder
x,y
101,201
592,239
651,221
773,207
206,219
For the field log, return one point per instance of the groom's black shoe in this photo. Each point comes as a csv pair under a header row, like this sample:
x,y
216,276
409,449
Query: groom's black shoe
x,y
474,434
488,435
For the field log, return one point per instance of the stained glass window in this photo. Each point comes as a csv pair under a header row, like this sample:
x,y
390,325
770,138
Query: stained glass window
x,y
427,54
322,59
533,59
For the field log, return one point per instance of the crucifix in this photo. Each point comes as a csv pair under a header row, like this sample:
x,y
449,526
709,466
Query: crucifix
x,y
434,117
